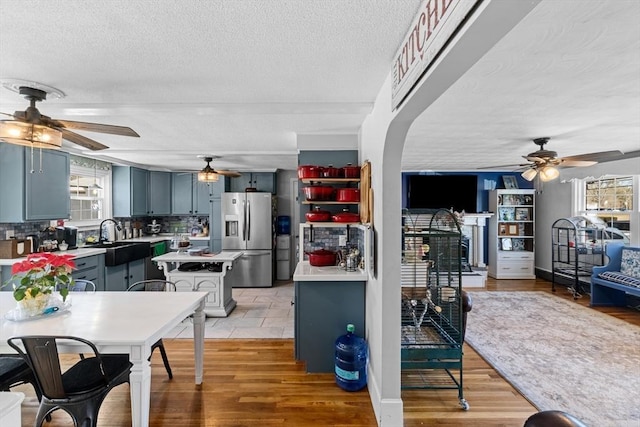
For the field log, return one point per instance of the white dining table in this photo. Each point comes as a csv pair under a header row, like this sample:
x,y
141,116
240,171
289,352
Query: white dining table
x,y
118,322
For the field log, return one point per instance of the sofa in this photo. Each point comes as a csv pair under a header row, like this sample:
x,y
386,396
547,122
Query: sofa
x,y
611,283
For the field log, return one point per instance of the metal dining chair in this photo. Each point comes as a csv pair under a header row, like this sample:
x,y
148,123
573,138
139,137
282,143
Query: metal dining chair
x,y
156,285
80,389
82,285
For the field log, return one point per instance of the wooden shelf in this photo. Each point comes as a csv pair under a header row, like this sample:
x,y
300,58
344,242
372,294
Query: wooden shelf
x,y
330,180
328,202
331,224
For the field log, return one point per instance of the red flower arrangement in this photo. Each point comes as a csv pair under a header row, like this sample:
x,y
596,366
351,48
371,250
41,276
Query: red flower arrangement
x,y
42,273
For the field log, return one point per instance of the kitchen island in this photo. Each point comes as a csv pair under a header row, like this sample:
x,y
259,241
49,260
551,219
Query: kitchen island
x,y
214,279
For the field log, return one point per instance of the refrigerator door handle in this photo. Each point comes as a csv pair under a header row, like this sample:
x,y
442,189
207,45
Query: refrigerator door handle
x,y
244,220
248,220
255,253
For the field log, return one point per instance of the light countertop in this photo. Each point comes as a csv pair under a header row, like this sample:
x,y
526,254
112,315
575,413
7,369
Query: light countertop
x,y
225,256
305,272
77,253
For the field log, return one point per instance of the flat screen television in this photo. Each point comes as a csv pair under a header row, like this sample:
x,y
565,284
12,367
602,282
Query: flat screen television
x,y
459,192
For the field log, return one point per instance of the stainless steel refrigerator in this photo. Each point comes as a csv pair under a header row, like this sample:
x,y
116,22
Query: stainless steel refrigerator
x,y
247,226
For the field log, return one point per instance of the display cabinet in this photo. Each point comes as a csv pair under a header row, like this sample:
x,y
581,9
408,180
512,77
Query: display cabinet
x,y
332,206
511,234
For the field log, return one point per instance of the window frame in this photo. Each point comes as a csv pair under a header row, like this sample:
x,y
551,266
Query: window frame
x,y
106,176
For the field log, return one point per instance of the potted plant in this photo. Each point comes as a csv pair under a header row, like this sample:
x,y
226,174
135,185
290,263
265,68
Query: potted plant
x,y
37,278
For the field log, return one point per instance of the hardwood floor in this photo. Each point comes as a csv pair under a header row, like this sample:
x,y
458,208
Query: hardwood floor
x,y
257,382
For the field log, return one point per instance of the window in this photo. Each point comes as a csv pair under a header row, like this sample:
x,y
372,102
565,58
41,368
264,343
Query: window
x,y
89,204
611,200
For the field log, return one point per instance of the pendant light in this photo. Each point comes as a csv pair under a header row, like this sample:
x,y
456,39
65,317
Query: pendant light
x,y
95,185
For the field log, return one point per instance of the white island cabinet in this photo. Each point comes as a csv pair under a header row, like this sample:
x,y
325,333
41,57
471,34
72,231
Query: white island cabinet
x,y
216,281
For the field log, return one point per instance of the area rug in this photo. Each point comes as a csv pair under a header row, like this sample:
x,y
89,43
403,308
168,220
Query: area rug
x,y
560,355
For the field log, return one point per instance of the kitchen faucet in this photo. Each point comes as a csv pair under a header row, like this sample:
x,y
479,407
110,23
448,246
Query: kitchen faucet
x,y
100,240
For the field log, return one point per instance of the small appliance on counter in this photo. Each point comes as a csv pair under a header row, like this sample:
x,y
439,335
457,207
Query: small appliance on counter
x,y
15,248
70,236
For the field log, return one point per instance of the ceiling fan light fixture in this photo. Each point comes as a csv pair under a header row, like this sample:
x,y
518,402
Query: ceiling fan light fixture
x,y
549,173
30,135
208,174
529,174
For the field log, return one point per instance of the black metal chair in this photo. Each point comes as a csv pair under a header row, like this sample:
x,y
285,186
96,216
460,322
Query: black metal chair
x,y
82,285
156,285
14,371
80,389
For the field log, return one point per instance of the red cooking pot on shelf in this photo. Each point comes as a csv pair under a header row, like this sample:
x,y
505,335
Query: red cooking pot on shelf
x,y
318,215
331,172
351,171
309,171
322,258
319,192
348,195
346,216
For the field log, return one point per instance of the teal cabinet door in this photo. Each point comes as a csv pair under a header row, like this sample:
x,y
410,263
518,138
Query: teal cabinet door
x,y
33,196
47,190
262,181
159,193
129,195
115,277
201,197
182,193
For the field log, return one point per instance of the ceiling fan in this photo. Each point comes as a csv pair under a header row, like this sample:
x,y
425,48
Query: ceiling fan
x,y
209,174
31,128
545,163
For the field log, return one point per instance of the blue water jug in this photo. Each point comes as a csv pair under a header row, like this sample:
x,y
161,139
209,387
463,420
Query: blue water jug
x,y
284,225
352,357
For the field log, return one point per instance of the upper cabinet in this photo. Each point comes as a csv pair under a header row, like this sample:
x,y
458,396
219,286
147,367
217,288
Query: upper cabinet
x,y
139,192
33,188
191,197
129,191
261,181
159,193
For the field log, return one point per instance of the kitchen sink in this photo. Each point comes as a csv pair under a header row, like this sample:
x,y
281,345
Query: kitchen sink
x,y
122,252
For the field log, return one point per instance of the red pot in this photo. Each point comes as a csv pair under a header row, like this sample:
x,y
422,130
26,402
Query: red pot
x,y
346,217
318,215
322,258
319,192
348,195
351,171
309,171
331,172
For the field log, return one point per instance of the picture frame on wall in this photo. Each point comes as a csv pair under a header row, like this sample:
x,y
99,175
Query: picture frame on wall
x,y
522,214
502,229
510,181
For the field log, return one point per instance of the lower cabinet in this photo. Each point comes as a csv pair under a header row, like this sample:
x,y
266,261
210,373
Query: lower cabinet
x,y
219,302
90,268
322,312
120,277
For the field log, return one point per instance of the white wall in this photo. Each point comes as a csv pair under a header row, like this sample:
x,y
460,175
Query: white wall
x,y
557,197
381,142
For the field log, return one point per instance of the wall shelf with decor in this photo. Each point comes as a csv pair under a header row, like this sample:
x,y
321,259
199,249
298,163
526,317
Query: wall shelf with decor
x,y
511,234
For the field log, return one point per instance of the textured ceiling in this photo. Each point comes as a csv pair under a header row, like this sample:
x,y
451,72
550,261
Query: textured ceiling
x,y
244,78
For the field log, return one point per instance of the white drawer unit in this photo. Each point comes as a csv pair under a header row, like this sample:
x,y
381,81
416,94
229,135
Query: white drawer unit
x,y
283,256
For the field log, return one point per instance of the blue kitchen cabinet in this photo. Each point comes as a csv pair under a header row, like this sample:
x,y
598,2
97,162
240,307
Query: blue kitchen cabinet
x,y
120,277
32,196
189,196
262,181
130,193
322,311
159,193
90,268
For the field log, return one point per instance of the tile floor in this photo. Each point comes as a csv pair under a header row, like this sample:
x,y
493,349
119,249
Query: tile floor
x,y
260,313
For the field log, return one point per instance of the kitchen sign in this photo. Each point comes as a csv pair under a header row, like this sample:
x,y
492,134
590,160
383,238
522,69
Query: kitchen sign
x,y
436,22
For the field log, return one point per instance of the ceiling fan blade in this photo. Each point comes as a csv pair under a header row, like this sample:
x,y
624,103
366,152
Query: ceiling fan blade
x,y
232,174
564,163
595,157
97,127
504,166
9,115
535,159
81,140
